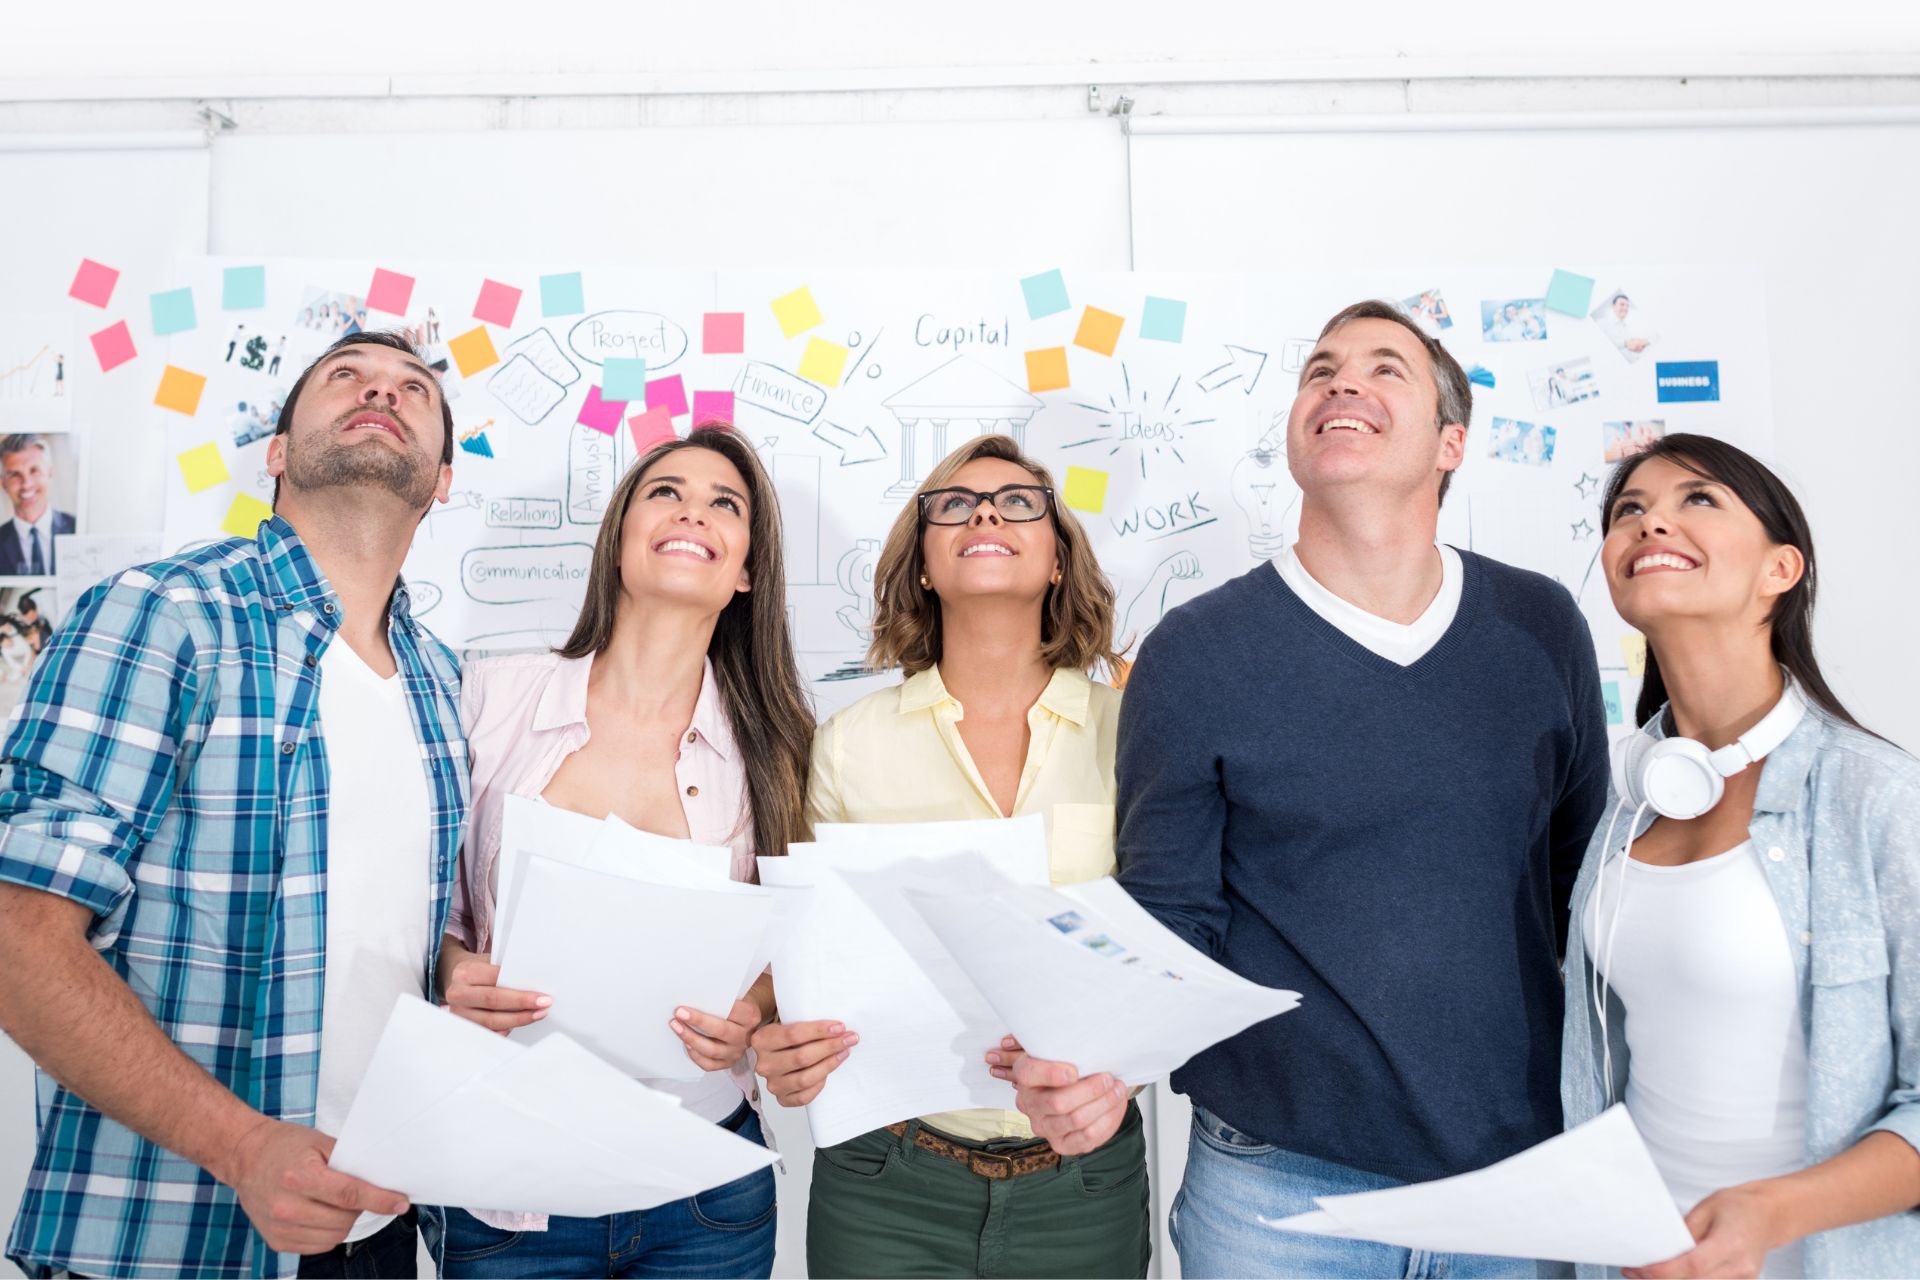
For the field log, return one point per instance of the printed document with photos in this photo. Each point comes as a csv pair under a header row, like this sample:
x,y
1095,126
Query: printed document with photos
x,y
854,952
1058,963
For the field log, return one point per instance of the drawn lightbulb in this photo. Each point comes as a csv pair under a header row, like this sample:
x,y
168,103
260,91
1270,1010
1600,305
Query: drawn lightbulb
x,y
1255,477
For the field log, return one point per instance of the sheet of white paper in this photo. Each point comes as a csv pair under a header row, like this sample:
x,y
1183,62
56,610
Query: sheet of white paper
x,y
82,559
1591,1195
619,954
854,952
490,1124
1056,963
528,827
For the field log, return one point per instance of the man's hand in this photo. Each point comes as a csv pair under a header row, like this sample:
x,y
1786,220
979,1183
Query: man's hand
x,y
280,1173
795,1058
1074,1115
715,1044
471,992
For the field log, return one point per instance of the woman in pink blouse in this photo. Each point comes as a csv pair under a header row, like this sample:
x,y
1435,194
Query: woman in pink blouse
x,y
676,705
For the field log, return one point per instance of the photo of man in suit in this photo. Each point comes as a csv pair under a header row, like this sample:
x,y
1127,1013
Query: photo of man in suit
x,y
26,473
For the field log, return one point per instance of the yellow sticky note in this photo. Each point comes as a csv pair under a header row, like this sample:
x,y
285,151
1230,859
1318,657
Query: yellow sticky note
x,y
473,351
1099,330
823,362
1634,646
204,468
180,390
1047,369
244,516
796,311
1086,489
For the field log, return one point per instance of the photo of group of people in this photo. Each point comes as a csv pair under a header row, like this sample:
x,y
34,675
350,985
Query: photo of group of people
x,y
1514,441
1429,311
332,313
257,419
1515,320
25,628
1563,382
1624,439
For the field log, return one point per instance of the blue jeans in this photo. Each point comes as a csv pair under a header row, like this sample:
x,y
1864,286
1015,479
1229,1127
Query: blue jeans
x,y
727,1231
1234,1179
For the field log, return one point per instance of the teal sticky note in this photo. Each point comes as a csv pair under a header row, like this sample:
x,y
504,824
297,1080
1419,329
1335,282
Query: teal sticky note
x,y
1610,694
1163,319
173,311
623,378
243,288
1046,294
1570,294
562,294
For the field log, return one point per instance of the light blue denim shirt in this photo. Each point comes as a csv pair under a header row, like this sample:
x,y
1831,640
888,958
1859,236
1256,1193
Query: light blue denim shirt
x,y
1836,823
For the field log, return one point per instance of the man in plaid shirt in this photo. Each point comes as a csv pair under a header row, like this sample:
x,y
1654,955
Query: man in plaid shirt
x,y
230,808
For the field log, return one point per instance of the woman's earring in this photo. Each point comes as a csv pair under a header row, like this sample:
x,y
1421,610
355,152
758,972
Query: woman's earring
x,y
1056,577
925,582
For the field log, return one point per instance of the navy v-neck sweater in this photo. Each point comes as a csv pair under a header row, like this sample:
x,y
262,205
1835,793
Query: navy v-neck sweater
x,y
1395,843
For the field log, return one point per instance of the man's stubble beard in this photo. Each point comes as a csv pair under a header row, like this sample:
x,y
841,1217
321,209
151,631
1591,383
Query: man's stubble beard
x,y
335,465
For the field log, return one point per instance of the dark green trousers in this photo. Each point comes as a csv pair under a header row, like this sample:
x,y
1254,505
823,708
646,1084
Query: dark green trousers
x,y
880,1206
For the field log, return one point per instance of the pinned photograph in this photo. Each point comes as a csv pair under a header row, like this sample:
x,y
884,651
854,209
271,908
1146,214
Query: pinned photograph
x,y
1624,439
34,369
1066,921
40,475
331,314
1621,320
256,419
1101,944
26,625
1514,441
1516,320
1563,382
1429,311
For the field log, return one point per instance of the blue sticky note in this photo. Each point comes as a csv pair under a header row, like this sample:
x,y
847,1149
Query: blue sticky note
x,y
1163,319
623,378
562,294
1569,294
173,311
1677,381
243,288
1046,294
1610,694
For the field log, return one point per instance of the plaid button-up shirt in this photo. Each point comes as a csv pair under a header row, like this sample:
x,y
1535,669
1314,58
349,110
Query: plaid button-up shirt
x,y
166,769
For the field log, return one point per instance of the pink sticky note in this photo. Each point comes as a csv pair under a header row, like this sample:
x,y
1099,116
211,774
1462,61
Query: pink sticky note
x,y
670,392
93,282
602,415
114,346
497,303
712,406
651,428
390,292
724,333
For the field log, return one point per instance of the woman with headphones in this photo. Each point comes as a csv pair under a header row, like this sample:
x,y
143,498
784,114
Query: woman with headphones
x,y
1743,965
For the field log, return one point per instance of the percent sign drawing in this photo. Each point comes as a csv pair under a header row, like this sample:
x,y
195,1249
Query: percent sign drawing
x,y
854,366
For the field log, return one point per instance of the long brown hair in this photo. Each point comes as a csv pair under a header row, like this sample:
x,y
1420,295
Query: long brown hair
x,y
1076,618
752,654
1779,513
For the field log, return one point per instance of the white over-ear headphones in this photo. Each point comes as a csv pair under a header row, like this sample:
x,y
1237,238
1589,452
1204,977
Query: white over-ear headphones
x,y
1680,778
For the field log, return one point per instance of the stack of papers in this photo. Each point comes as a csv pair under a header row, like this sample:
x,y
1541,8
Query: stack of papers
x,y
450,1113
1082,974
853,951
1591,1195
621,928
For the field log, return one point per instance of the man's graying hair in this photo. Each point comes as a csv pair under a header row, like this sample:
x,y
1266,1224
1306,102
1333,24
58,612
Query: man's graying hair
x,y
1449,379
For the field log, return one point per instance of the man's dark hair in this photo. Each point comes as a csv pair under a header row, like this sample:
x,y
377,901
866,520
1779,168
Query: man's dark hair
x,y
365,338
1449,379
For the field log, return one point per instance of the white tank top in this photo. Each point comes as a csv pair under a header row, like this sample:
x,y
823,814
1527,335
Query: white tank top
x,y
1717,1075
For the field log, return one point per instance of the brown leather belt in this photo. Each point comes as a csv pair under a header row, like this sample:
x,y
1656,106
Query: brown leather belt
x,y
996,1165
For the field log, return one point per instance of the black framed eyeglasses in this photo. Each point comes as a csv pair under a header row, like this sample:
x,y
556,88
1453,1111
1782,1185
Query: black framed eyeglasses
x,y
1015,503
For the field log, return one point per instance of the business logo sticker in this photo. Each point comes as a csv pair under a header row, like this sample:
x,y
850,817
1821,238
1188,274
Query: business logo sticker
x,y
1680,380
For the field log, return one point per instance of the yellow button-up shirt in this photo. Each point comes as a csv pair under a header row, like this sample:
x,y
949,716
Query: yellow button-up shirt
x,y
896,756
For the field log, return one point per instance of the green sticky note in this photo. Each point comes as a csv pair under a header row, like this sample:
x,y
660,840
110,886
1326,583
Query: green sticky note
x,y
1163,319
1046,294
172,311
562,294
623,378
1086,489
1569,294
243,288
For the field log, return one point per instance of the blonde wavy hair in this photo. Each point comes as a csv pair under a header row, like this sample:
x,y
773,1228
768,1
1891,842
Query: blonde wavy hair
x,y
1076,617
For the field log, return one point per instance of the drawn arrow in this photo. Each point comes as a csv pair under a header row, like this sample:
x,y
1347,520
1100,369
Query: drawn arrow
x,y
1242,362
854,446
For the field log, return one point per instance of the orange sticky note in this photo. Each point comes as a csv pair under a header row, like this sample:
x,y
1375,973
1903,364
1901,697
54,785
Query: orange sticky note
x,y
1047,369
473,351
180,390
1634,648
203,468
797,312
1086,489
244,516
823,362
1099,330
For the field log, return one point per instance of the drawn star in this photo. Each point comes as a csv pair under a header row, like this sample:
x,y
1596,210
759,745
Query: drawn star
x,y
1586,484
1582,530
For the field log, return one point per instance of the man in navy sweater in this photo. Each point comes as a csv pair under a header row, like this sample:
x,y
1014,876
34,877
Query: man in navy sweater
x,y
1365,771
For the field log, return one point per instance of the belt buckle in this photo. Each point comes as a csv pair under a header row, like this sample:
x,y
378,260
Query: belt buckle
x,y
991,1165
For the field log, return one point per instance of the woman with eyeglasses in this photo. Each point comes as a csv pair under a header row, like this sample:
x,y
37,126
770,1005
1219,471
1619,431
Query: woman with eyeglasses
x,y
988,597
1741,965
